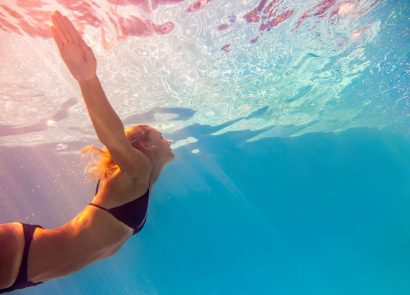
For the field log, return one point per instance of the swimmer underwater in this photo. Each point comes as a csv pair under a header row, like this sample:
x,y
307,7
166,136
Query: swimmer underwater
x,y
132,162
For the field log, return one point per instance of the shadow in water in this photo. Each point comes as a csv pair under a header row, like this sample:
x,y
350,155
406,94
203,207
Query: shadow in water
x,y
61,114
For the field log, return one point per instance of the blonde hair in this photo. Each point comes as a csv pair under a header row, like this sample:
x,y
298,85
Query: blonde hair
x,y
100,164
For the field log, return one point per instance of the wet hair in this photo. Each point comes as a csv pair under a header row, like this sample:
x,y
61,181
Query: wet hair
x,y
100,164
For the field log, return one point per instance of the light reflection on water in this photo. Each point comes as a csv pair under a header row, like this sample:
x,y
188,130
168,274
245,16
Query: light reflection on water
x,y
298,212
309,65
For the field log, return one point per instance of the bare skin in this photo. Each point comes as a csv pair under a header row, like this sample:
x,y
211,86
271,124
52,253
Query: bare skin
x,y
93,234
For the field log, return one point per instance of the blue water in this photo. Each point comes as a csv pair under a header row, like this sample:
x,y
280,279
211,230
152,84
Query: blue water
x,y
290,212
317,214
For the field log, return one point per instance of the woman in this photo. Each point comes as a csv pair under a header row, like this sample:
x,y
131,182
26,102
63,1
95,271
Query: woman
x,y
131,163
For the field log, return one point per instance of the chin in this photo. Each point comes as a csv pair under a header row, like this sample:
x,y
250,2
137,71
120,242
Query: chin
x,y
172,157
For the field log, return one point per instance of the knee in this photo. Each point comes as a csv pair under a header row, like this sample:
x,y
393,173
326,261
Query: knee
x,y
11,249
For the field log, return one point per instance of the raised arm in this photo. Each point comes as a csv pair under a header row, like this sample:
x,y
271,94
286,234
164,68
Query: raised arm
x,y
82,64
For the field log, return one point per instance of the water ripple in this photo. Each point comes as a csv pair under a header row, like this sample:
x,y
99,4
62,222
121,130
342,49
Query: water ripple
x,y
312,66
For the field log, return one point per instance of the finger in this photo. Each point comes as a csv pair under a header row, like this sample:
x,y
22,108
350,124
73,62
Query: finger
x,y
71,30
58,31
57,38
60,26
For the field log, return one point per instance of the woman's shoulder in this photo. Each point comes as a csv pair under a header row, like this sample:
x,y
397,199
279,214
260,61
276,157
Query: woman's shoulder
x,y
121,184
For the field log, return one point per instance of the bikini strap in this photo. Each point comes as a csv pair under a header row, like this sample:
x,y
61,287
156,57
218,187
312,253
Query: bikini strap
x,y
98,206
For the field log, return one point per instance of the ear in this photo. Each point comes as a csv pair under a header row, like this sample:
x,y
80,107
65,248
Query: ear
x,y
145,145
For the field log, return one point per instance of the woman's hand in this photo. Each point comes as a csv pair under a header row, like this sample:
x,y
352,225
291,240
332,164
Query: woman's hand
x,y
78,57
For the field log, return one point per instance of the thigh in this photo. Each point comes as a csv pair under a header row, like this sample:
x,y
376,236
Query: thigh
x,y
11,252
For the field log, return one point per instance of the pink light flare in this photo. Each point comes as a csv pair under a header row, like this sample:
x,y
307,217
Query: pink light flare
x,y
346,8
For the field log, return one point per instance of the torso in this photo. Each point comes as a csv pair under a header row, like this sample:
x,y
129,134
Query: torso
x,y
93,234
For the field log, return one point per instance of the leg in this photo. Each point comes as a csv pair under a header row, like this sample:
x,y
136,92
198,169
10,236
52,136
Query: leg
x,y
11,252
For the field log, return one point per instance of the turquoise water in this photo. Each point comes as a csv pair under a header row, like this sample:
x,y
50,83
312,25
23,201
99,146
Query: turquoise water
x,y
291,175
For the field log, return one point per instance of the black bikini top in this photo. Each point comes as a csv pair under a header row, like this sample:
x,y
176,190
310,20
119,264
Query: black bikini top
x,y
133,213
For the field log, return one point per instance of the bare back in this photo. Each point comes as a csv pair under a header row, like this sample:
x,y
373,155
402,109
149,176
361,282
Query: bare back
x,y
93,234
